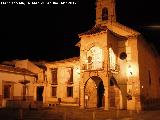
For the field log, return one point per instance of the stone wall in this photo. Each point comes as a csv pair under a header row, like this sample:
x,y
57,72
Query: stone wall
x,y
114,96
16,88
149,68
62,83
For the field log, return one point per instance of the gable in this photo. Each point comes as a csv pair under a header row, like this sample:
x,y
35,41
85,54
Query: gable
x,y
121,29
114,27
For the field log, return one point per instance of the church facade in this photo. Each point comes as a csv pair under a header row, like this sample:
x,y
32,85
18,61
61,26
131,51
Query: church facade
x,y
117,68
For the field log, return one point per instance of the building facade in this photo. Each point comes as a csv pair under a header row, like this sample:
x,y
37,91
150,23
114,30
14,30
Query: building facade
x,y
63,82
118,68
22,83
16,84
40,83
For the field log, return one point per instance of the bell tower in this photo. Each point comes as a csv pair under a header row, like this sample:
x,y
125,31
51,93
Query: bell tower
x,y
105,11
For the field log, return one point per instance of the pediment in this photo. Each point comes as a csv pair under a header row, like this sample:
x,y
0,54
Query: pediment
x,y
115,27
121,30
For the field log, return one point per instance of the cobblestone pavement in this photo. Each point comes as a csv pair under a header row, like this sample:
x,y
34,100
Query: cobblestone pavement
x,y
74,113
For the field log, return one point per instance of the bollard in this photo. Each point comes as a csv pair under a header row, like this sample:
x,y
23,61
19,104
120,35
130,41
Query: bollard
x,y
93,115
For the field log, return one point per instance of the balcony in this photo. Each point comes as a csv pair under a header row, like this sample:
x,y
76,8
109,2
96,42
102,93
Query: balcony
x,y
114,69
93,66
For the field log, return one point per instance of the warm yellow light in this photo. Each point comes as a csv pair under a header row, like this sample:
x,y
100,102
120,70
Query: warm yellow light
x,y
112,59
78,70
94,58
67,74
130,70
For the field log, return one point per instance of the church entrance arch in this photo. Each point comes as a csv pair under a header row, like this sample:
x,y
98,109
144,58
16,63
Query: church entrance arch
x,y
115,96
94,92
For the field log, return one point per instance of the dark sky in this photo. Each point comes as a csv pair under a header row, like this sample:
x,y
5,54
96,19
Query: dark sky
x,y
49,32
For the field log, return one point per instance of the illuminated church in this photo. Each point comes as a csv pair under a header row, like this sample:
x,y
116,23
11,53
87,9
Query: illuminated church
x,y
117,69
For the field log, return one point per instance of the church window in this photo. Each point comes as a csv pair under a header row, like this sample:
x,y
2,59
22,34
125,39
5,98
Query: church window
x,y
104,14
89,62
112,59
89,59
94,58
54,76
69,91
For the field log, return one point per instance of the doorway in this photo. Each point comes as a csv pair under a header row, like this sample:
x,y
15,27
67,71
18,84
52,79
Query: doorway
x,y
100,95
114,94
40,93
94,92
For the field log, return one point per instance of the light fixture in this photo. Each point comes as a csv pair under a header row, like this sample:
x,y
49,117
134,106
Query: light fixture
x,y
78,70
130,70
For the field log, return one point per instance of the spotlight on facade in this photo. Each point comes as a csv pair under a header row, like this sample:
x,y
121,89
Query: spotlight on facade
x,y
130,70
78,70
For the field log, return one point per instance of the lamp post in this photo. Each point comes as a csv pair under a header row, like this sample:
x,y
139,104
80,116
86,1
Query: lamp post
x,y
24,83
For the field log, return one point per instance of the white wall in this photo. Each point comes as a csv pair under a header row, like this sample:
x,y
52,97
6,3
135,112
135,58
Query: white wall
x,y
15,78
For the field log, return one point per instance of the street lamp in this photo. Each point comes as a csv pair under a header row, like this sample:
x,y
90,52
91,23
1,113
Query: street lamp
x,y
24,83
130,70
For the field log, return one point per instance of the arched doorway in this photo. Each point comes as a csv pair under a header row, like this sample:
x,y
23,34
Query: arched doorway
x,y
114,94
94,92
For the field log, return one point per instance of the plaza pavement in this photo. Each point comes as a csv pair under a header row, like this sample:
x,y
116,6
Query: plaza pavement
x,y
75,113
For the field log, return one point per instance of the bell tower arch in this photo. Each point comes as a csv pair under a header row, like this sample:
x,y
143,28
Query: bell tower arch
x,y
105,11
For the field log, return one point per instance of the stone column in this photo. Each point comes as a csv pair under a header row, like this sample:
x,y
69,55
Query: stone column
x,y
106,106
44,94
35,92
82,102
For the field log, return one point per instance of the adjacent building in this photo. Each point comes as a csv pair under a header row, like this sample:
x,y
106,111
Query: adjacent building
x,y
21,80
63,79
16,84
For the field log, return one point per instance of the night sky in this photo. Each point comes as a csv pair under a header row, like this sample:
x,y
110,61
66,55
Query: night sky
x,y
50,32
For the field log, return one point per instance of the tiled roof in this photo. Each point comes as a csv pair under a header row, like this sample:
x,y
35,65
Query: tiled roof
x,y
110,26
95,29
66,60
40,64
17,70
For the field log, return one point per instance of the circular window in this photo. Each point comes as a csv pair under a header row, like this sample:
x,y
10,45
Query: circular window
x,y
123,56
